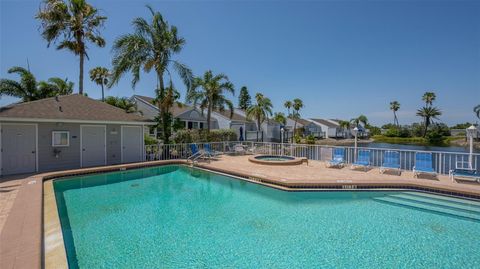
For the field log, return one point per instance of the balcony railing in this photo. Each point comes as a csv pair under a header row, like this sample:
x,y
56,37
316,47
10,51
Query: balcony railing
x,y
443,161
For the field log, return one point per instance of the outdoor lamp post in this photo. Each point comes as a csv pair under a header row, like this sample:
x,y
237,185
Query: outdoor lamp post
x,y
282,131
355,133
470,133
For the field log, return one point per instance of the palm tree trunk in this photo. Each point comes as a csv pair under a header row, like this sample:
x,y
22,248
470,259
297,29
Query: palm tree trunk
x,y
103,95
295,128
80,79
163,116
209,114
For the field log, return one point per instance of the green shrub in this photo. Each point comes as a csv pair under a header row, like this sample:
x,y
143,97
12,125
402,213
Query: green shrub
x,y
310,139
297,138
150,140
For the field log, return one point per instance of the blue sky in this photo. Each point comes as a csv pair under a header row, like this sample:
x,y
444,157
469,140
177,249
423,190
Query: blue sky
x,y
341,58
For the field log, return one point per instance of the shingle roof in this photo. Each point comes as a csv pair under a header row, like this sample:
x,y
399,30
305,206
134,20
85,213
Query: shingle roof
x,y
326,123
69,107
303,122
176,109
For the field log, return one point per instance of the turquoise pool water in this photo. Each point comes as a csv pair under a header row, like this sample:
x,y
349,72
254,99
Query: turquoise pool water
x,y
274,158
176,217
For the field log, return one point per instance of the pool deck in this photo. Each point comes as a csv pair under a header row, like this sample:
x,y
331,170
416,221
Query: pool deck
x,y
22,202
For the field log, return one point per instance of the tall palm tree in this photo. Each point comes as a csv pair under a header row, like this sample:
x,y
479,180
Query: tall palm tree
x,y
428,98
395,106
260,110
288,105
208,92
297,105
476,110
100,76
280,118
28,89
151,47
428,113
75,22
121,102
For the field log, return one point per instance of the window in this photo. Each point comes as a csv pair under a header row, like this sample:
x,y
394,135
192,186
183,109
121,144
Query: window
x,y
190,125
201,125
60,139
195,125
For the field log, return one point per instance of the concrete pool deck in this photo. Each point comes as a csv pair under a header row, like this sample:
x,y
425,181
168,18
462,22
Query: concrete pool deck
x,y
24,206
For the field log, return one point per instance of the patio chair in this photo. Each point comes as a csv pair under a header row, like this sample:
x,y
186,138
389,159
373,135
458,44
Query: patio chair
x,y
338,158
391,161
196,153
239,149
423,164
464,171
210,152
363,160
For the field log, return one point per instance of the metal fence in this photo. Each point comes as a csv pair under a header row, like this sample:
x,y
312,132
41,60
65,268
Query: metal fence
x,y
443,162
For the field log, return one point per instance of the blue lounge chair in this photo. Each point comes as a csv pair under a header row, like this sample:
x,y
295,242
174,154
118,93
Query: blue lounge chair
x,y
464,170
196,153
423,164
391,161
338,158
363,159
210,152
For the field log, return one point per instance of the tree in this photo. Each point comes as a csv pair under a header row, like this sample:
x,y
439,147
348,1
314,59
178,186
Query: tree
x,y
288,105
244,99
56,86
360,119
344,125
395,106
280,118
75,22
297,105
151,47
428,113
121,102
428,98
209,92
28,89
476,110
100,76
260,110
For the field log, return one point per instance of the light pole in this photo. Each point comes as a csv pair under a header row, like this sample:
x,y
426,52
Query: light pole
x,y
470,133
282,131
355,133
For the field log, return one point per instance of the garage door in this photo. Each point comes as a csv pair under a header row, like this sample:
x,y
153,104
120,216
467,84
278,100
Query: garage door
x,y
19,145
93,145
132,144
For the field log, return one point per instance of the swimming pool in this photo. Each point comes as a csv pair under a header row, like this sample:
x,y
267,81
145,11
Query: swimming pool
x,y
176,217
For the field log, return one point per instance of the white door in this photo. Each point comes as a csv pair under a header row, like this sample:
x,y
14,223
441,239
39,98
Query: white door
x,y
93,145
19,145
132,144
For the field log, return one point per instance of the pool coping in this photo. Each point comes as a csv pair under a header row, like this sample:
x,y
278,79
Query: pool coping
x,y
38,241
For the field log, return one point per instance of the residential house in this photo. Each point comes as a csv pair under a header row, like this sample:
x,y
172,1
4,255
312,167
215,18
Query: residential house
x,y
68,132
328,128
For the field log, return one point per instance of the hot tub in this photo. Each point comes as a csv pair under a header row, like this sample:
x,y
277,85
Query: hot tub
x,y
276,160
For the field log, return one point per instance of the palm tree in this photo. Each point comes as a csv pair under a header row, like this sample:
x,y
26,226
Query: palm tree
x,y
211,96
28,89
345,125
56,86
395,106
151,47
360,119
260,110
100,76
75,22
280,118
121,102
476,110
428,113
428,98
297,105
288,105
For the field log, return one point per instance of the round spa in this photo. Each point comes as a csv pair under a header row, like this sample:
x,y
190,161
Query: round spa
x,y
276,160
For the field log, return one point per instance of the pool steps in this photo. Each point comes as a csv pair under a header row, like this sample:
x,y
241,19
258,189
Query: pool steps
x,y
434,203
